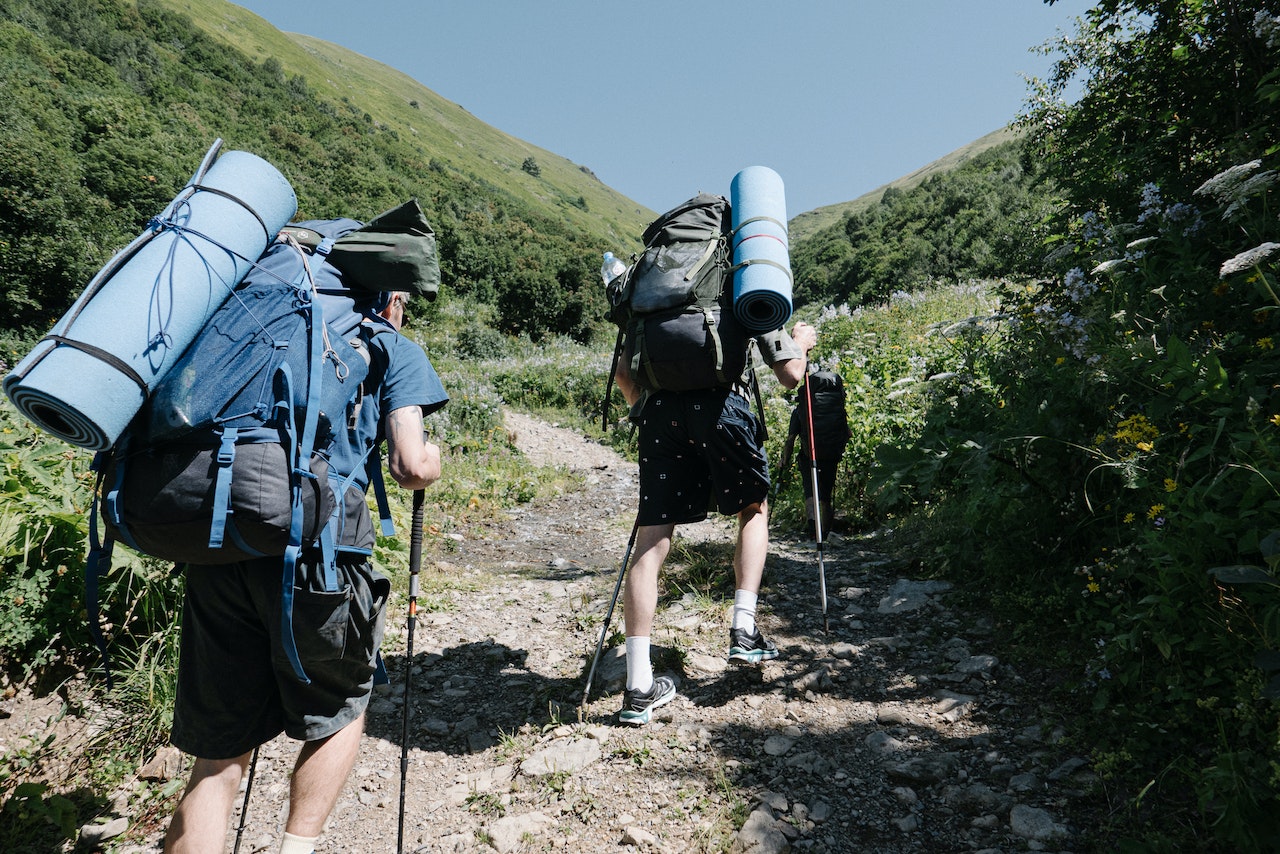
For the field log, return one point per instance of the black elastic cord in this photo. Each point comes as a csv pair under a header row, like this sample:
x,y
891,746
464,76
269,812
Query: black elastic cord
x,y
98,353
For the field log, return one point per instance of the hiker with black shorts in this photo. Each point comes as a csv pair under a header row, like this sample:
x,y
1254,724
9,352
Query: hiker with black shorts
x,y
700,449
829,425
235,689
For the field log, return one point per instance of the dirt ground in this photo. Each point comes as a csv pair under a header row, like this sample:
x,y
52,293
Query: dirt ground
x,y
898,728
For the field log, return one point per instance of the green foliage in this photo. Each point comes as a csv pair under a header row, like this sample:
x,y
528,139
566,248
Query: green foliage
x,y
43,525
109,107
558,377
1171,96
1110,481
35,819
981,219
914,356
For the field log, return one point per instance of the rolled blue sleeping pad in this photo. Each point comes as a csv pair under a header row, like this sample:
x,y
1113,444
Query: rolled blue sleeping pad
x,y
86,379
761,259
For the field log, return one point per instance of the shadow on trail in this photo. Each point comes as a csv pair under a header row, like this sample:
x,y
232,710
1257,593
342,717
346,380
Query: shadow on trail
x,y
463,695
846,725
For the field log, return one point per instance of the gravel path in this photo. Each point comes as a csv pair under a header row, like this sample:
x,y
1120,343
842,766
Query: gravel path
x,y
898,730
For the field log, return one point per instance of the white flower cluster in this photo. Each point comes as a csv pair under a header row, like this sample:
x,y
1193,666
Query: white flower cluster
x,y
1248,260
1234,186
1077,286
1136,250
831,312
911,299
1267,28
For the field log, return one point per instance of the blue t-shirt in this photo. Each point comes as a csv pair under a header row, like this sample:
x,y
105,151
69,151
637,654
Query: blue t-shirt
x,y
400,375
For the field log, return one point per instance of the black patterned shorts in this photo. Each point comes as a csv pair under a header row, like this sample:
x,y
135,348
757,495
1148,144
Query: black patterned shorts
x,y
699,450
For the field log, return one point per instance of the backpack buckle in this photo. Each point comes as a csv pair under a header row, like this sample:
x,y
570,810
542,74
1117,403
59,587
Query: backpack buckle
x,y
227,448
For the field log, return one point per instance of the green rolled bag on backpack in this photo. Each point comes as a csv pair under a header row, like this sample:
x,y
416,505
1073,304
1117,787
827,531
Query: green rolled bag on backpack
x,y
394,251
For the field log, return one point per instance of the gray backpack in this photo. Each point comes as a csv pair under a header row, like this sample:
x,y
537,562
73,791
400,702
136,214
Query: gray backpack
x,y
675,326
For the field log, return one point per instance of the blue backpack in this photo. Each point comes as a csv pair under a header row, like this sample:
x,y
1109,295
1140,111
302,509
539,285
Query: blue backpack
x,y
235,455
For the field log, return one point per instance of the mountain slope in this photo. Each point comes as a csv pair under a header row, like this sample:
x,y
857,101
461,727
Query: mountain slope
x,y
443,131
809,223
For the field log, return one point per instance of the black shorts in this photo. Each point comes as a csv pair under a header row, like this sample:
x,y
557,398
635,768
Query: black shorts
x,y
698,450
236,688
826,477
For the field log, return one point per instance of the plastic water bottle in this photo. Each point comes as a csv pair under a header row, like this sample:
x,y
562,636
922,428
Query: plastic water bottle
x,y
611,268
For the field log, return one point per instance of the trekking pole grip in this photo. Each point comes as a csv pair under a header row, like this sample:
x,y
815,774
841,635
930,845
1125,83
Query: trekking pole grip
x,y
415,547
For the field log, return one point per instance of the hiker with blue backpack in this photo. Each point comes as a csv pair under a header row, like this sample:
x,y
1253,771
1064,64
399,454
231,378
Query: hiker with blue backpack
x,y
687,370
238,377
247,673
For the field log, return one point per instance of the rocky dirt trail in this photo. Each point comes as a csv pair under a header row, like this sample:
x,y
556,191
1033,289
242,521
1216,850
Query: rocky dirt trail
x,y
898,730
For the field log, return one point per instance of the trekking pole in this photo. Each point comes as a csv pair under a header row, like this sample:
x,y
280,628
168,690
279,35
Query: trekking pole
x,y
415,565
244,808
817,501
604,630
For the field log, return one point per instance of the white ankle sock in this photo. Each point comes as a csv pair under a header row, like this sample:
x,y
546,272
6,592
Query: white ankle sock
x,y
639,668
298,844
744,610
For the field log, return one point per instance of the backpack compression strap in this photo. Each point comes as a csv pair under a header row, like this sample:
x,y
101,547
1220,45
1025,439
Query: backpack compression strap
x,y
608,386
303,448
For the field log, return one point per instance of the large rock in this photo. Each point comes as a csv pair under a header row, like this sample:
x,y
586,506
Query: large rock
x,y
760,835
907,595
563,754
511,832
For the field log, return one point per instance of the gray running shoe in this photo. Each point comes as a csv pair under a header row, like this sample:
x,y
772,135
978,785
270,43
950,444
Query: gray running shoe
x,y
637,707
751,648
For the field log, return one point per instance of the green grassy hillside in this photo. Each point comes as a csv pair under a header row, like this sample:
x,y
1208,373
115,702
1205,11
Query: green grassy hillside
x,y
439,128
809,223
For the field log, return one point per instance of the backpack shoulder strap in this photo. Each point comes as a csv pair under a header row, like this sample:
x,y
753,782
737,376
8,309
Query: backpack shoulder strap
x,y
608,386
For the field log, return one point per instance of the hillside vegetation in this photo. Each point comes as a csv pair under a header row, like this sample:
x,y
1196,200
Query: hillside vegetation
x,y
110,105
444,130
804,225
985,217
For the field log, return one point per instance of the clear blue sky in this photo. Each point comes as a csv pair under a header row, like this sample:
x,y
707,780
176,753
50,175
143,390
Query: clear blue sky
x,y
664,98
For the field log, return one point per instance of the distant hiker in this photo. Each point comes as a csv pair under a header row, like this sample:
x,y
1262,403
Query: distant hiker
x,y
830,435
698,447
235,689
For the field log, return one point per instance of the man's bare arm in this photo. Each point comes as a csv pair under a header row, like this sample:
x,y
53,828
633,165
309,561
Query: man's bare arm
x,y
413,462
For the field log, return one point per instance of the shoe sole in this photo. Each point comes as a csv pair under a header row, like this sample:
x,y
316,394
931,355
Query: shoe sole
x,y
642,718
752,656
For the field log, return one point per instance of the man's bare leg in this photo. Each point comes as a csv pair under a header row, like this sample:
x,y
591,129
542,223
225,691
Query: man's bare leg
x,y
199,824
752,547
319,774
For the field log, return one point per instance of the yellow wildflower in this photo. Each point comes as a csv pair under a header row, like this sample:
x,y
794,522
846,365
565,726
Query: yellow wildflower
x,y
1094,587
1136,429
1128,518
1275,419
1156,510
1170,484
1145,446
1265,343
